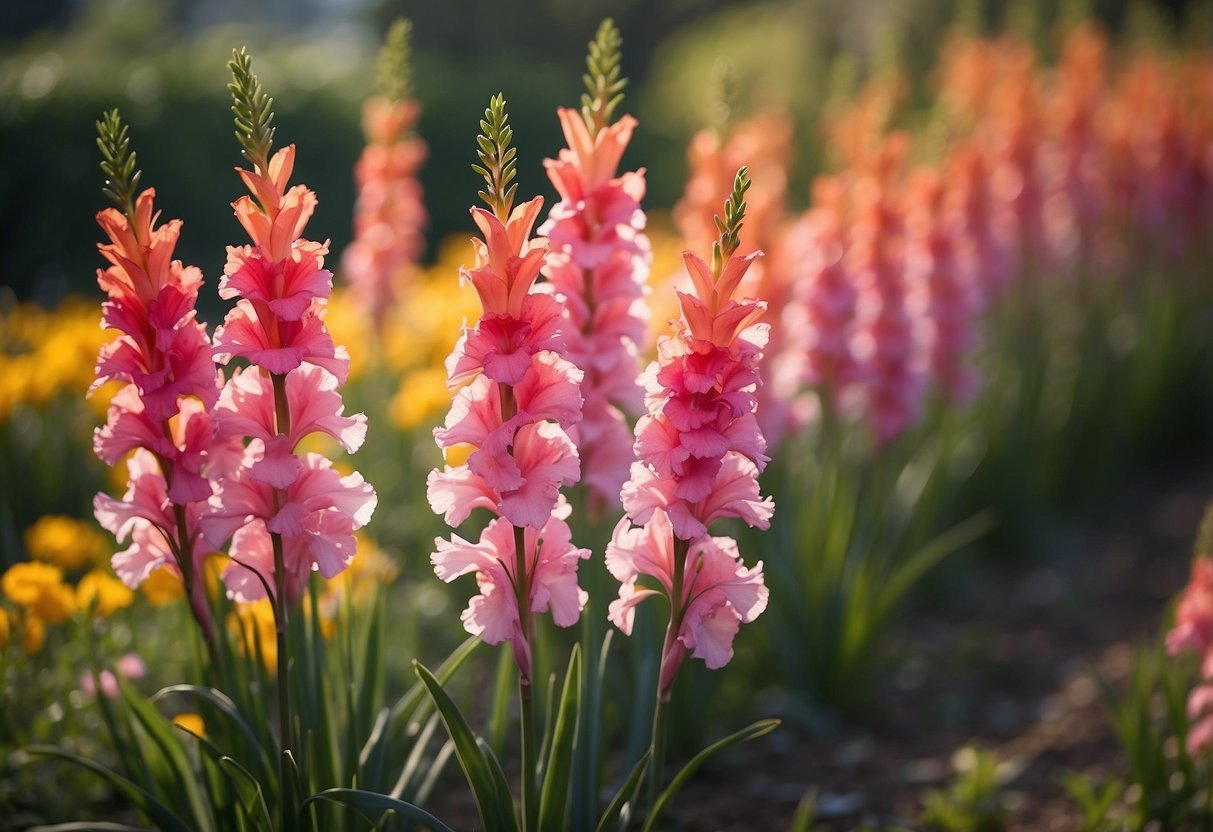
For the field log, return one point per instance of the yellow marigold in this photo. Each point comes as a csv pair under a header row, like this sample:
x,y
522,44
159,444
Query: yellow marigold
x,y
370,569
103,589
212,570
458,454
40,589
350,326
162,587
33,635
422,395
253,623
65,542
192,723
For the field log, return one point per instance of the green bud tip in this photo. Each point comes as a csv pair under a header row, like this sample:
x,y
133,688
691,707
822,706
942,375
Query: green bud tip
x,y
117,162
603,82
734,217
394,71
254,110
497,158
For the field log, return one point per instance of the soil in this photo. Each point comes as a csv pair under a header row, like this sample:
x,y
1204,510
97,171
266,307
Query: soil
x,y
1008,666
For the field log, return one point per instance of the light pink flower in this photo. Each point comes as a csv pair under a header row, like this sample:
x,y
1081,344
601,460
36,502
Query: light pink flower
x,y
718,594
551,568
600,263
389,215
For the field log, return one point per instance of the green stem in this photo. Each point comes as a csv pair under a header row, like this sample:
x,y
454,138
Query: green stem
x,y
661,711
530,805
281,623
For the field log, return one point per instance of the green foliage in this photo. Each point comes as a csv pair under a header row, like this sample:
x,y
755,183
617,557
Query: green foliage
x,y
254,110
1168,788
498,161
1097,803
603,81
974,801
394,70
117,162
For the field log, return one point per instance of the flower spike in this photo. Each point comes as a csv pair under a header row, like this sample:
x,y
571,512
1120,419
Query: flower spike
x,y
394,71
497,158
118,162
253,108
605,87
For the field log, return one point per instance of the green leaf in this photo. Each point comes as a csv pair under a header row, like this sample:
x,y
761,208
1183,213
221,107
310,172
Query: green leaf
x,y
373,802
908,573
750,732
505,803
406,706
161,732
221,701
610,818
558,773
144,801
475,766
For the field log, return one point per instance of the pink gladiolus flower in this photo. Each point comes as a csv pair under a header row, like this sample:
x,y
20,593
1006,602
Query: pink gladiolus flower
x,y
699,451
1193,629
942,292
600,261
551,568
291,391
718,592
520,397
818,320
164,356
389,216
892,384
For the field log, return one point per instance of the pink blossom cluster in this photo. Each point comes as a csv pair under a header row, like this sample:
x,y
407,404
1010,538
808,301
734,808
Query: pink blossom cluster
x,y
942,290
892,383
599,262
1193,632
699,452
818,317
288,392
519,398
764,144
163,414
389,215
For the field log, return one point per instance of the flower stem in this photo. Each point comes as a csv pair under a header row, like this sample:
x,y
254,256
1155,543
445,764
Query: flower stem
x,y
281,607
664,686
530,806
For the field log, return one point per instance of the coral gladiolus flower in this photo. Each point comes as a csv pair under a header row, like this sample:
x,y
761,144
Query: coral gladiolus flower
x,y
551,568
718,593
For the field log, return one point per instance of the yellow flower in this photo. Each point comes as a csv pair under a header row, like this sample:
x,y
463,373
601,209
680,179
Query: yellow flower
x,y
65,542
351,328
423,394
253,622
162,586
192,723
4,628
33,636
40,589
456,455
107,592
